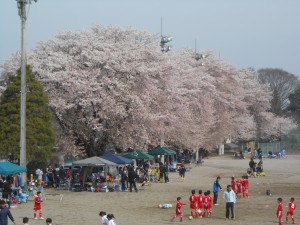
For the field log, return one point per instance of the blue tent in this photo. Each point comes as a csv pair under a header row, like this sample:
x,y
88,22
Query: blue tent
x,y
117,159
8,168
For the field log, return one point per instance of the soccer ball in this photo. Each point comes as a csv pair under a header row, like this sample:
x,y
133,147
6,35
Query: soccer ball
x,y
190,217
170,205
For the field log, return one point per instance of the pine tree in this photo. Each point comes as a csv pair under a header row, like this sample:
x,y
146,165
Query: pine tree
x,y
40,136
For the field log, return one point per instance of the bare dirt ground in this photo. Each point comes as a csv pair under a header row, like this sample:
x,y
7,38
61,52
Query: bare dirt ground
x,y
82,208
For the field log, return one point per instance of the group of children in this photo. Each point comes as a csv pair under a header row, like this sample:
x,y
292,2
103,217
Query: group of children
x,y
200,205
241,186
290,212
107,219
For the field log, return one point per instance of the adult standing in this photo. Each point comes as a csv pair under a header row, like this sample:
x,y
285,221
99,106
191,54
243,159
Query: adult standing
x,y
132,179
39,176
7,189
50,172
166,172
216,188
161,172
62,173
124,179
56,175
230,198
252,165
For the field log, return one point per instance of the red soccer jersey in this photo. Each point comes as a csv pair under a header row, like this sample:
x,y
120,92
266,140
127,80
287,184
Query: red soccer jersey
x,y
233,185
209,201
37,203
239,187
200,201
247,183
205,202
292,207
243,185
193,201
178,207
279,210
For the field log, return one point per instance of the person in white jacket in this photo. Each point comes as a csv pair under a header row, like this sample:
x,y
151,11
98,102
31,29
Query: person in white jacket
x,y
230,199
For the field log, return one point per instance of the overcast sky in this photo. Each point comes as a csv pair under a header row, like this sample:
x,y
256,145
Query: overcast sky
x,y
246,33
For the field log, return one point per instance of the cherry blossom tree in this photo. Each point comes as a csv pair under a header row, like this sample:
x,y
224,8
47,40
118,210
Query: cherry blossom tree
x,y
109,86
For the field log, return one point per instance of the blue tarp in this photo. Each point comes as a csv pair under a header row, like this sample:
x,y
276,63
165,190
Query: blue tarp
x,y
117,159
8,168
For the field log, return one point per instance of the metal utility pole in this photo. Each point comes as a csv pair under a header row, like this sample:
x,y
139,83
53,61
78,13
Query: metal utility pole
x,y
22,14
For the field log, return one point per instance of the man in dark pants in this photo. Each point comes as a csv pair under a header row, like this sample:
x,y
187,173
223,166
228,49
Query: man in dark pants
x,y
230,198
132,176
216,188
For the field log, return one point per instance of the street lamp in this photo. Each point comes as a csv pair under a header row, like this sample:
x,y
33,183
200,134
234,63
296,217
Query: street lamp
x,y
22,13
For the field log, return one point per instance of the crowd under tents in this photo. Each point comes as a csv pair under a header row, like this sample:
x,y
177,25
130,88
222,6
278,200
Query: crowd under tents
x,y
109,164
89,163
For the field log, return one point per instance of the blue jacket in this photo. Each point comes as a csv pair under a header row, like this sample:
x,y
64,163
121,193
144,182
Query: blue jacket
x,y
216,186
3,216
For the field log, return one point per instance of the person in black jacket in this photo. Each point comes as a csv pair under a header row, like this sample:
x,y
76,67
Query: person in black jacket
x,y
132,176
7,189
252,165
124,179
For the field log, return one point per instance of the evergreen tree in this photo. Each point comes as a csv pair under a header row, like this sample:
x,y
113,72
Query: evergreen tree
x,y
40,136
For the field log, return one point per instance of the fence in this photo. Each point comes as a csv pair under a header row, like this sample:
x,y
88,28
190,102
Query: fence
x,y
266,147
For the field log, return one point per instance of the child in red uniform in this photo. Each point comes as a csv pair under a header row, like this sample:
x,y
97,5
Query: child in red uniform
x,y
200,203
193,204
247,185
233,185
291,208
279,211
209,204
205,204
178,210
244,188
239,188
37,205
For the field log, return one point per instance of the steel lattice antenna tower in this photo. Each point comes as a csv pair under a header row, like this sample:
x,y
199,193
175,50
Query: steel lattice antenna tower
x,y
164,40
